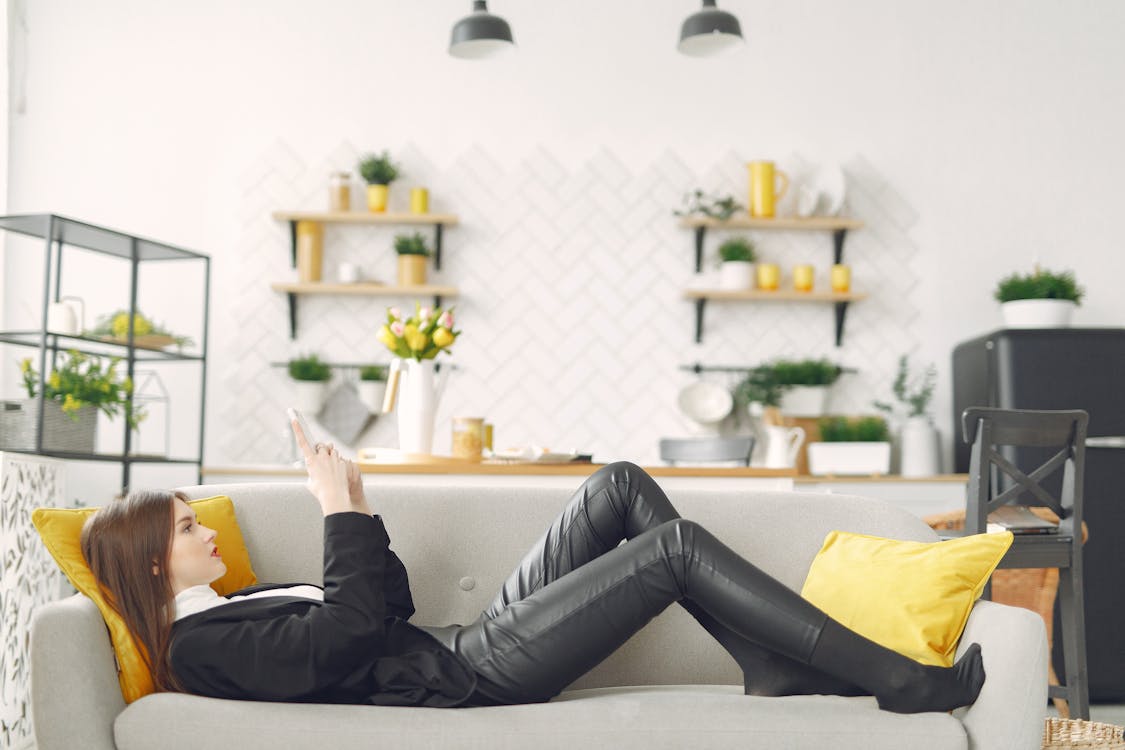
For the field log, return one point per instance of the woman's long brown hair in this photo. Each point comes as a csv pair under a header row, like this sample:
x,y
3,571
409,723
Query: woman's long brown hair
x,y
121,542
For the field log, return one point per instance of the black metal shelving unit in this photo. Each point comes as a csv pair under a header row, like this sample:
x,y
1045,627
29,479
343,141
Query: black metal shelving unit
x,y
58,232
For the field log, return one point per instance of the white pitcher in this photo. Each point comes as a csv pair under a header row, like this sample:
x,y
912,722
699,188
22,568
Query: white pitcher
x,y
417,404
782,446
63,317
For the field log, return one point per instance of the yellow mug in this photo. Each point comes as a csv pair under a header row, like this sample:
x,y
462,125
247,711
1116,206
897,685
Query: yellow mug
x,y
769,276
764,192
803,278
419,200
841,278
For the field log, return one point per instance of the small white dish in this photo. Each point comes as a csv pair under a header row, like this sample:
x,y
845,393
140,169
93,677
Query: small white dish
x,y
705,403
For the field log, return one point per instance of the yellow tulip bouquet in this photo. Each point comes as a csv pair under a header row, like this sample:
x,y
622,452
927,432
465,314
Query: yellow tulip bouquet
x,y
423,335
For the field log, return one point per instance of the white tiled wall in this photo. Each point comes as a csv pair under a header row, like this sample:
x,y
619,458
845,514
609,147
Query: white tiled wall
x,y
570,276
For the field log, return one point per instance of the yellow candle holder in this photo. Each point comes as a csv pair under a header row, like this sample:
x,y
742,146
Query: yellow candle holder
x,y
841,278
419,200
769,276
803,278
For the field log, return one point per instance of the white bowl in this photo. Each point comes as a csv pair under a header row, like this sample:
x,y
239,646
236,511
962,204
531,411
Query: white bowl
x,y
705,402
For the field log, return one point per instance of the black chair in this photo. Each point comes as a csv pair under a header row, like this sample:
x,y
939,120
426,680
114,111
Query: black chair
x,y
994,434
706,449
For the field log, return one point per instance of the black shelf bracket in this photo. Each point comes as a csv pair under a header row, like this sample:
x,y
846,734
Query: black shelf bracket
x,y
841,312
292,315
437,250
292,243
699,305
838,238
700,234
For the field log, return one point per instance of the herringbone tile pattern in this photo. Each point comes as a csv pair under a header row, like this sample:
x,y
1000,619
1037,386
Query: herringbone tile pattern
x,y
571,281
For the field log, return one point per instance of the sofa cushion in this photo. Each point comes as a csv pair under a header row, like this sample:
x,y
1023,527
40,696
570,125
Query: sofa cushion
x,y
912,597
667,717
61,530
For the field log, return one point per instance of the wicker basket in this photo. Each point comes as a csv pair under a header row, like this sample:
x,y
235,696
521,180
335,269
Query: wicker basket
x,y
1030,588
1075,733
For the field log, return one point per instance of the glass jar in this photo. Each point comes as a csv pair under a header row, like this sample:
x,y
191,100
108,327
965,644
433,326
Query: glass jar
x,y
468,434
340,191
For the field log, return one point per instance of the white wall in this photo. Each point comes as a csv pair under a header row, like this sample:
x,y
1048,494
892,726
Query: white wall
x,y
999,124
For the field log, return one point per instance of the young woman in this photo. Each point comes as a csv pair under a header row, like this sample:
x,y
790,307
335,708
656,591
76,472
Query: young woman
x,y
576,597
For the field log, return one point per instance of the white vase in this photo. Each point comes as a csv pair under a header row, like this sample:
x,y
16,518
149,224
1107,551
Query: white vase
x,y
309,396
736,274
1038,313
804,400
918,443
417,406
371,394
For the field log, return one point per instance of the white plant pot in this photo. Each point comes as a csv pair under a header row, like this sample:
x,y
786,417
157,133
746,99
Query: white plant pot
x,y
309,396
849,458
918,444
736,275
1038,313
371,394
804,401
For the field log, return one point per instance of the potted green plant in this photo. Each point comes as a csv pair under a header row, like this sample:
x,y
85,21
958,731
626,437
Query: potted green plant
x,y
736,263
699,203
147,334
918,440
310,376
805,385
372,385
78,388
1041,299
851,446
412,253
378,171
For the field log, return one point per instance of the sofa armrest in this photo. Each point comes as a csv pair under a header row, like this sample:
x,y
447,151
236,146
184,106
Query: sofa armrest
x,y
1011,708
75,695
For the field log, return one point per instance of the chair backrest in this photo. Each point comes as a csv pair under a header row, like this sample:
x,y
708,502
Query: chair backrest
x,y
707,449
995,433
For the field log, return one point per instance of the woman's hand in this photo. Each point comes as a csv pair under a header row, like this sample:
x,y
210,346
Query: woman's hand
x,y
355,489
328,473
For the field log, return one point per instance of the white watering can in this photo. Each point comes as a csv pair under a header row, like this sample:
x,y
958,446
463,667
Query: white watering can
x,y
421,392
66,318
782,446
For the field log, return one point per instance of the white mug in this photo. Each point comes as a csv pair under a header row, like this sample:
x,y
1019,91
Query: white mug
x,y
347,273
782,446
62,318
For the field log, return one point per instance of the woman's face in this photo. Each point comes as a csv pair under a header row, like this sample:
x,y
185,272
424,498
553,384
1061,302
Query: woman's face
x,y
194,559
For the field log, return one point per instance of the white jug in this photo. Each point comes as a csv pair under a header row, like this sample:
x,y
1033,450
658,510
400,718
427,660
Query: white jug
x,y
417,405
782,446
62,317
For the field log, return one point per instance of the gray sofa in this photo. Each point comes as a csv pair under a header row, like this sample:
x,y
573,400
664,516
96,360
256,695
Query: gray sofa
x,y
670,686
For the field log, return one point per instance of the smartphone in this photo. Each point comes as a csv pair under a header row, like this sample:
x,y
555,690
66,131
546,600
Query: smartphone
x,y
295,416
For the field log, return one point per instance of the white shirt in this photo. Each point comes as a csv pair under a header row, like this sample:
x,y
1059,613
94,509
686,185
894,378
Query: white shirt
x,y
200,598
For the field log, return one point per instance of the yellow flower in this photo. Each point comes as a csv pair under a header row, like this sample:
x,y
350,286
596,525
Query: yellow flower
x,y
71,404
54,380
25,364
141,325
416,340
443,337
387,337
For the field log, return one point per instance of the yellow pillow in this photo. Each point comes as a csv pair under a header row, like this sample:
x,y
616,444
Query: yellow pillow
x,y
61,530
912,597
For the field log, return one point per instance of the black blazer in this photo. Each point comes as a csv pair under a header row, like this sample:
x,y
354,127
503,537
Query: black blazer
x,y
356,647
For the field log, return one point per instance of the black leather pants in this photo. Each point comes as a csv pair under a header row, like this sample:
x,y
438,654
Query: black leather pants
x,y
577,595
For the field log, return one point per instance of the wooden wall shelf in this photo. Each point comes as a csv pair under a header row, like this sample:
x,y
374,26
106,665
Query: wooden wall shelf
x,y
437,221
293,289
837,225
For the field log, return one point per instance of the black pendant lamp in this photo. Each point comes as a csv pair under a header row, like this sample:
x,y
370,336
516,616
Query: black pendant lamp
x,y
709,32
480,34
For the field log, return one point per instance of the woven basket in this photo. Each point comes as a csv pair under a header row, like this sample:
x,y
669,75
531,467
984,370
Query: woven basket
x,y
1075,733
1030,588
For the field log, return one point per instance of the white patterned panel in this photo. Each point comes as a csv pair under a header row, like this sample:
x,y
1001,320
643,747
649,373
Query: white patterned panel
x,y
571,276
29,579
